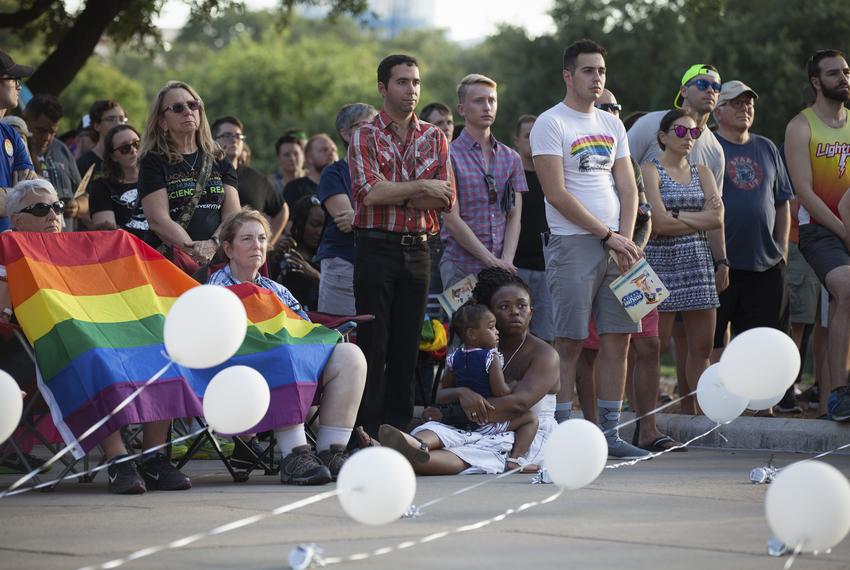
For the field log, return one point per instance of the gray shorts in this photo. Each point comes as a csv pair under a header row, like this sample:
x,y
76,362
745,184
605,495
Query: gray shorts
x,y
579,273
541,319
336,288
803,288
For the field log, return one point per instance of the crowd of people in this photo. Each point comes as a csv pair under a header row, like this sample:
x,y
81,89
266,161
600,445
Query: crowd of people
x,y
742,233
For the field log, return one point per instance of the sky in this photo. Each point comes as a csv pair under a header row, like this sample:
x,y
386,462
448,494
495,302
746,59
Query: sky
x,y
465,20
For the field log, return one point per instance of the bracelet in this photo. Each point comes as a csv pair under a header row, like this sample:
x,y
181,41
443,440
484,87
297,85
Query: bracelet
x,y
721,261
608,235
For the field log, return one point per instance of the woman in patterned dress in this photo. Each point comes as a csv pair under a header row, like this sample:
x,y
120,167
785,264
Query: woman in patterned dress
x,y
685,204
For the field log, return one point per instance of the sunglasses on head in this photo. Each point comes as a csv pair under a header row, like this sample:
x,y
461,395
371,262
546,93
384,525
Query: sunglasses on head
x,y
178,108
41,209
610,107
703,84
491,188
681,131
128,148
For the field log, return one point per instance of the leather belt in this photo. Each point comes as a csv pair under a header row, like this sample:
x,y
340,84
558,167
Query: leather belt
x,y
394,237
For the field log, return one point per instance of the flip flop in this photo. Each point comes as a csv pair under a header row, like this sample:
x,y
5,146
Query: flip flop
x,y
663,443
364,439
394,438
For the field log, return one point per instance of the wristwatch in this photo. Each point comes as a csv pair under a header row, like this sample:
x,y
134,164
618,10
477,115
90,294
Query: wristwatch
x,y
675,213
608,235
719,262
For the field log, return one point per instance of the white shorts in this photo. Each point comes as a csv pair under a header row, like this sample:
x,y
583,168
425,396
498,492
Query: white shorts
x,y
483,453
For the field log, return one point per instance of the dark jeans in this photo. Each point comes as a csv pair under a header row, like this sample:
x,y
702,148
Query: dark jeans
x,y
753,299
390,282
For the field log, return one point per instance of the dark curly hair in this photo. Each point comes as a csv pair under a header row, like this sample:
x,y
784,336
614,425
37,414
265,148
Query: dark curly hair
x,y
468,316
491,280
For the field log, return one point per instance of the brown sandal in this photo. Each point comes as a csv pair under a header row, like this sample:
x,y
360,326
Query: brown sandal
x,y
394,438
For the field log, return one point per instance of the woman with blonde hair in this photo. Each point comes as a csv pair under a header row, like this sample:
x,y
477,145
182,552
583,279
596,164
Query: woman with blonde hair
x,y
186,184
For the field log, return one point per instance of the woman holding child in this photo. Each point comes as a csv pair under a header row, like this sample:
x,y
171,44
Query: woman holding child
x,y
530,365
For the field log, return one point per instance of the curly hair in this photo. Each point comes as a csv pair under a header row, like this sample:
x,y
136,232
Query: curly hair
x,y
491,280
468,316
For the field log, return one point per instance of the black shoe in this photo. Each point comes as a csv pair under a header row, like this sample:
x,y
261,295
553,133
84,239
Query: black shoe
x,y
302,467
333,458
788,403
160,474
124,478
243,459
14,464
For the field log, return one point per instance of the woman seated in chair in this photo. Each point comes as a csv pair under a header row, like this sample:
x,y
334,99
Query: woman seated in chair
x,y
34,206
244,243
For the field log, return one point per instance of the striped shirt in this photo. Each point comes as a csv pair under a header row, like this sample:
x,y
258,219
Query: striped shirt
x,y
486,220
377,153
225,278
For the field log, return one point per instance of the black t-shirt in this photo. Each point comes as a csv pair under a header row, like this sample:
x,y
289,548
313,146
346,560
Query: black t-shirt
x,y
256,191
121,198
179,181
297,189
529,251
85,161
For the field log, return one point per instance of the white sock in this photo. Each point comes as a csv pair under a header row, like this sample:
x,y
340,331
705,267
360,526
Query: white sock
x,y
289,438
330,435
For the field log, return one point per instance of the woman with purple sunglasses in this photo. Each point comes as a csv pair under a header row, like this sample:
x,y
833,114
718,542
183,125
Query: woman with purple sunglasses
x,y
685,204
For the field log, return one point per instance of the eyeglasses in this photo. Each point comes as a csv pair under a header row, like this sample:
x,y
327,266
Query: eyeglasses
x,y
681,131
15,80
491,188
128,148
178,108
739,104
120,119
703,84
610,107
41,209
231,137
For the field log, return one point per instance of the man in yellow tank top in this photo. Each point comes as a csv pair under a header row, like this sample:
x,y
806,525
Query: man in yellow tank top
x,y
817,147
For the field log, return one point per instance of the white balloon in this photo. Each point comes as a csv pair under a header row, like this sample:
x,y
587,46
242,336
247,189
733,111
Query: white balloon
x,y
808,504
575,454
11,405
760,363
236,399
765,404
205,327
376,486
715,400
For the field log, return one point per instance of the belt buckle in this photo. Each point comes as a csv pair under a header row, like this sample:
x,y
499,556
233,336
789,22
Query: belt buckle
x,y
407,240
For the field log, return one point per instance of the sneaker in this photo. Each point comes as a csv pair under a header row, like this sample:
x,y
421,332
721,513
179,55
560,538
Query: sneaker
x,y
208,451
838,404
333,458
14,464
178,451
812,396
124,479
620,449
788,403
302,467
160,474
242,459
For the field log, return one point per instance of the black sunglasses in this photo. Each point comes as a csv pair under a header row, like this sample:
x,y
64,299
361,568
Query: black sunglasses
x,y
491,188
610,107
41,209
178,108
128,148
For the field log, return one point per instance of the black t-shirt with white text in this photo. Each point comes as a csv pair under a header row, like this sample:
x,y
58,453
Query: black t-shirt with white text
x,y
121,198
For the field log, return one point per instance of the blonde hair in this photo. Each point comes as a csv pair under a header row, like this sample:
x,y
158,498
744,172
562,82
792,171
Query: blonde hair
x,y
157,141
233,222
472,79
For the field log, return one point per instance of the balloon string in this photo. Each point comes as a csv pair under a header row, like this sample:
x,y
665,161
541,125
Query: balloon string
x,y
469,488
662,452
92,429
437,535
793,557
124,459
825,453
649,413
221,529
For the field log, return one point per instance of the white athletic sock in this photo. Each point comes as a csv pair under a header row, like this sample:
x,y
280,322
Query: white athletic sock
x,y
289,438
563,411
330,435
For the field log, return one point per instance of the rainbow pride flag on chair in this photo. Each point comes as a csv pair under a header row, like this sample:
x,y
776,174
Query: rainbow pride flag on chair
x,y
93,306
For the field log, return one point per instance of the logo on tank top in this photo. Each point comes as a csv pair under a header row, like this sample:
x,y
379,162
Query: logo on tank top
x,y
594,152
831,150
744,172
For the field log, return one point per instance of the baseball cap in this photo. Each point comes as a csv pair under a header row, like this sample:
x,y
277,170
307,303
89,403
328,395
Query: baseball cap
x,y
694,71
732,89
18,123
8,67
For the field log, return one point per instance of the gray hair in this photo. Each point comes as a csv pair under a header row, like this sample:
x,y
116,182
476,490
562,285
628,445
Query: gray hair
x,y
352,113
16,196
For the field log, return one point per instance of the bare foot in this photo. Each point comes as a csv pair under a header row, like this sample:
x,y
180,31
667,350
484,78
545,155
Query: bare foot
x,y
364,439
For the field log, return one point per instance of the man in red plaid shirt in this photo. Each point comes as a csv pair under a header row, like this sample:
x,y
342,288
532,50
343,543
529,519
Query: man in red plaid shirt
x,y
482,229
399,180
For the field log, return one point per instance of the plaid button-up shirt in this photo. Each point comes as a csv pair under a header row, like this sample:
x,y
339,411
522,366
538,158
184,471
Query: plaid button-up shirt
x,y
486,219
376,151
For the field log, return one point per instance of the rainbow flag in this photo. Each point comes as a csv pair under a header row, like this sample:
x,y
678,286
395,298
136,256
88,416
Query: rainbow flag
x,y
93,306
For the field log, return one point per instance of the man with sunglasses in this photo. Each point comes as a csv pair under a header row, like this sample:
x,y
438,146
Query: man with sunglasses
x,y
15,163
53,160
817,149
757,220
482,228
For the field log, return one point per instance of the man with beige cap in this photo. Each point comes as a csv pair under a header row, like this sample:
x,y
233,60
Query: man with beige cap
x,y
756,191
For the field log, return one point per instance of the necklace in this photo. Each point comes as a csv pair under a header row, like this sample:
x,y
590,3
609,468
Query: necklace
x,y
192,166
508,361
